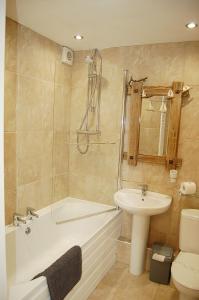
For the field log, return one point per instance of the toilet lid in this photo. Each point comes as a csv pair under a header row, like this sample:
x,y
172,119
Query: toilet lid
x,y
185,270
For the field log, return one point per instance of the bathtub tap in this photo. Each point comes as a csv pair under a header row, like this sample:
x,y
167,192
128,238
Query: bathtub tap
x,y
31,213
17,219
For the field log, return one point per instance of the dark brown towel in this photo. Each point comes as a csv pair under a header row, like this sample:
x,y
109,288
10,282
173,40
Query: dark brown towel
x,y
64,273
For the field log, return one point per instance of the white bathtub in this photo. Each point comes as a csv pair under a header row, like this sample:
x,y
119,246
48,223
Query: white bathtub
x,y
29,254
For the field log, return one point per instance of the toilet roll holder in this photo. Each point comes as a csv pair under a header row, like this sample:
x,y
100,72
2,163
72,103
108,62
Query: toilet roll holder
x,y
189,188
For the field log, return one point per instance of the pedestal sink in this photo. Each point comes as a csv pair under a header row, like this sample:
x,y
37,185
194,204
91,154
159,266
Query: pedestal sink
x,y
142,207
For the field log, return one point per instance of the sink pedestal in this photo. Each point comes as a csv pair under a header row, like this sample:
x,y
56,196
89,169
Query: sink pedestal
x,y
140,230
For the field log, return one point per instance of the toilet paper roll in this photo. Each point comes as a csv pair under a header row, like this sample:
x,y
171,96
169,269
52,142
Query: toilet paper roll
x,y
188,188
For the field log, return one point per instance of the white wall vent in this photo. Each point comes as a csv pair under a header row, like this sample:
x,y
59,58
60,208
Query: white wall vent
x,y
67,56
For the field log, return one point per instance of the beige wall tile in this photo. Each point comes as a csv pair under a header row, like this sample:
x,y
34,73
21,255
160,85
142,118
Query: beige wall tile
x,y
135,174
37,194
10,101
10,160
11,45
93,188
162,63
60,187
166,63
35,104
61,108
191,63
190,116
188,151
78,105
34,156
79,69
10,205
62,73
60,153
99,161
155,175
46,192
28,195
36,55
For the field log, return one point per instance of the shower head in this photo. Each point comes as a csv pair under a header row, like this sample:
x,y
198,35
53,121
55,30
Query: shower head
x,y
88,59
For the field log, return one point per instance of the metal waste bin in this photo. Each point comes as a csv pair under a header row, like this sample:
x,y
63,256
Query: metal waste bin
x,y
161,260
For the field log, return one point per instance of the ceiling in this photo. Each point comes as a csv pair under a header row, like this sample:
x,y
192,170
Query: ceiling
x,y
108,23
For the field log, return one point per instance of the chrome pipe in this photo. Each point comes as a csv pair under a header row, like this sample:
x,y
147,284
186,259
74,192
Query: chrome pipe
x,y
122,130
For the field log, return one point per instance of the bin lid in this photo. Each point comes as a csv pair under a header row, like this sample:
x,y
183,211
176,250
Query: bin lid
x,y
165,250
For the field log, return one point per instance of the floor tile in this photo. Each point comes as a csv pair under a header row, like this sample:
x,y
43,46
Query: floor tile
x,y
119,284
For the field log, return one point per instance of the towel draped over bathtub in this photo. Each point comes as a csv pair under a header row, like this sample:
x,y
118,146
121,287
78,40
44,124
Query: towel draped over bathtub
x,y
64,273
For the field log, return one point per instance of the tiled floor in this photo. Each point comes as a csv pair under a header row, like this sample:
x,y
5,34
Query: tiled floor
x,y
119,284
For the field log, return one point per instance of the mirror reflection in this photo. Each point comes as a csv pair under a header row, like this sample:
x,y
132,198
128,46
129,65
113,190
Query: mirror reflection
x,y
154,126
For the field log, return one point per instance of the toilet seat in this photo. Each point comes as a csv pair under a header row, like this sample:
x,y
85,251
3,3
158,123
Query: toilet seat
x,y
185,270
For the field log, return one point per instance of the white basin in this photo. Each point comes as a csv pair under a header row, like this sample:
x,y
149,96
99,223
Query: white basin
x,y
132,201
142,207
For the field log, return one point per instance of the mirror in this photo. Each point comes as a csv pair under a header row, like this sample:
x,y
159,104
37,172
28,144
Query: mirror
x,y
154,123
154,126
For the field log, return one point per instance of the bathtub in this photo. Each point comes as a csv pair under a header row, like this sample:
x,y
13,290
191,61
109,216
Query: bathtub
x,y
50,237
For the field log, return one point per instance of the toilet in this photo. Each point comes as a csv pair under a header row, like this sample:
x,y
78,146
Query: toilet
x,y
185,268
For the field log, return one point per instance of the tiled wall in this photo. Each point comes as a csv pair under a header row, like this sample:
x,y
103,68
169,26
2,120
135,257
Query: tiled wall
x,y
37,100
94,176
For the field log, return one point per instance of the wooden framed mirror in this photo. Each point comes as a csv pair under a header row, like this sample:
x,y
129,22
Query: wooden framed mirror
x,y
154,123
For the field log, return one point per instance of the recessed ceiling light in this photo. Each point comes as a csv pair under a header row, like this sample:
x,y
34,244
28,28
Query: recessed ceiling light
x,y
191,25
78,37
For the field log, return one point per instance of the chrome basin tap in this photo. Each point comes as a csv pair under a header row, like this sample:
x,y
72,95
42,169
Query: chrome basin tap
x,y
144,189
31,213
18,218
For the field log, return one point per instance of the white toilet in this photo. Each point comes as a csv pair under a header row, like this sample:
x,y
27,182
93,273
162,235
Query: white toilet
x,y
185,268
